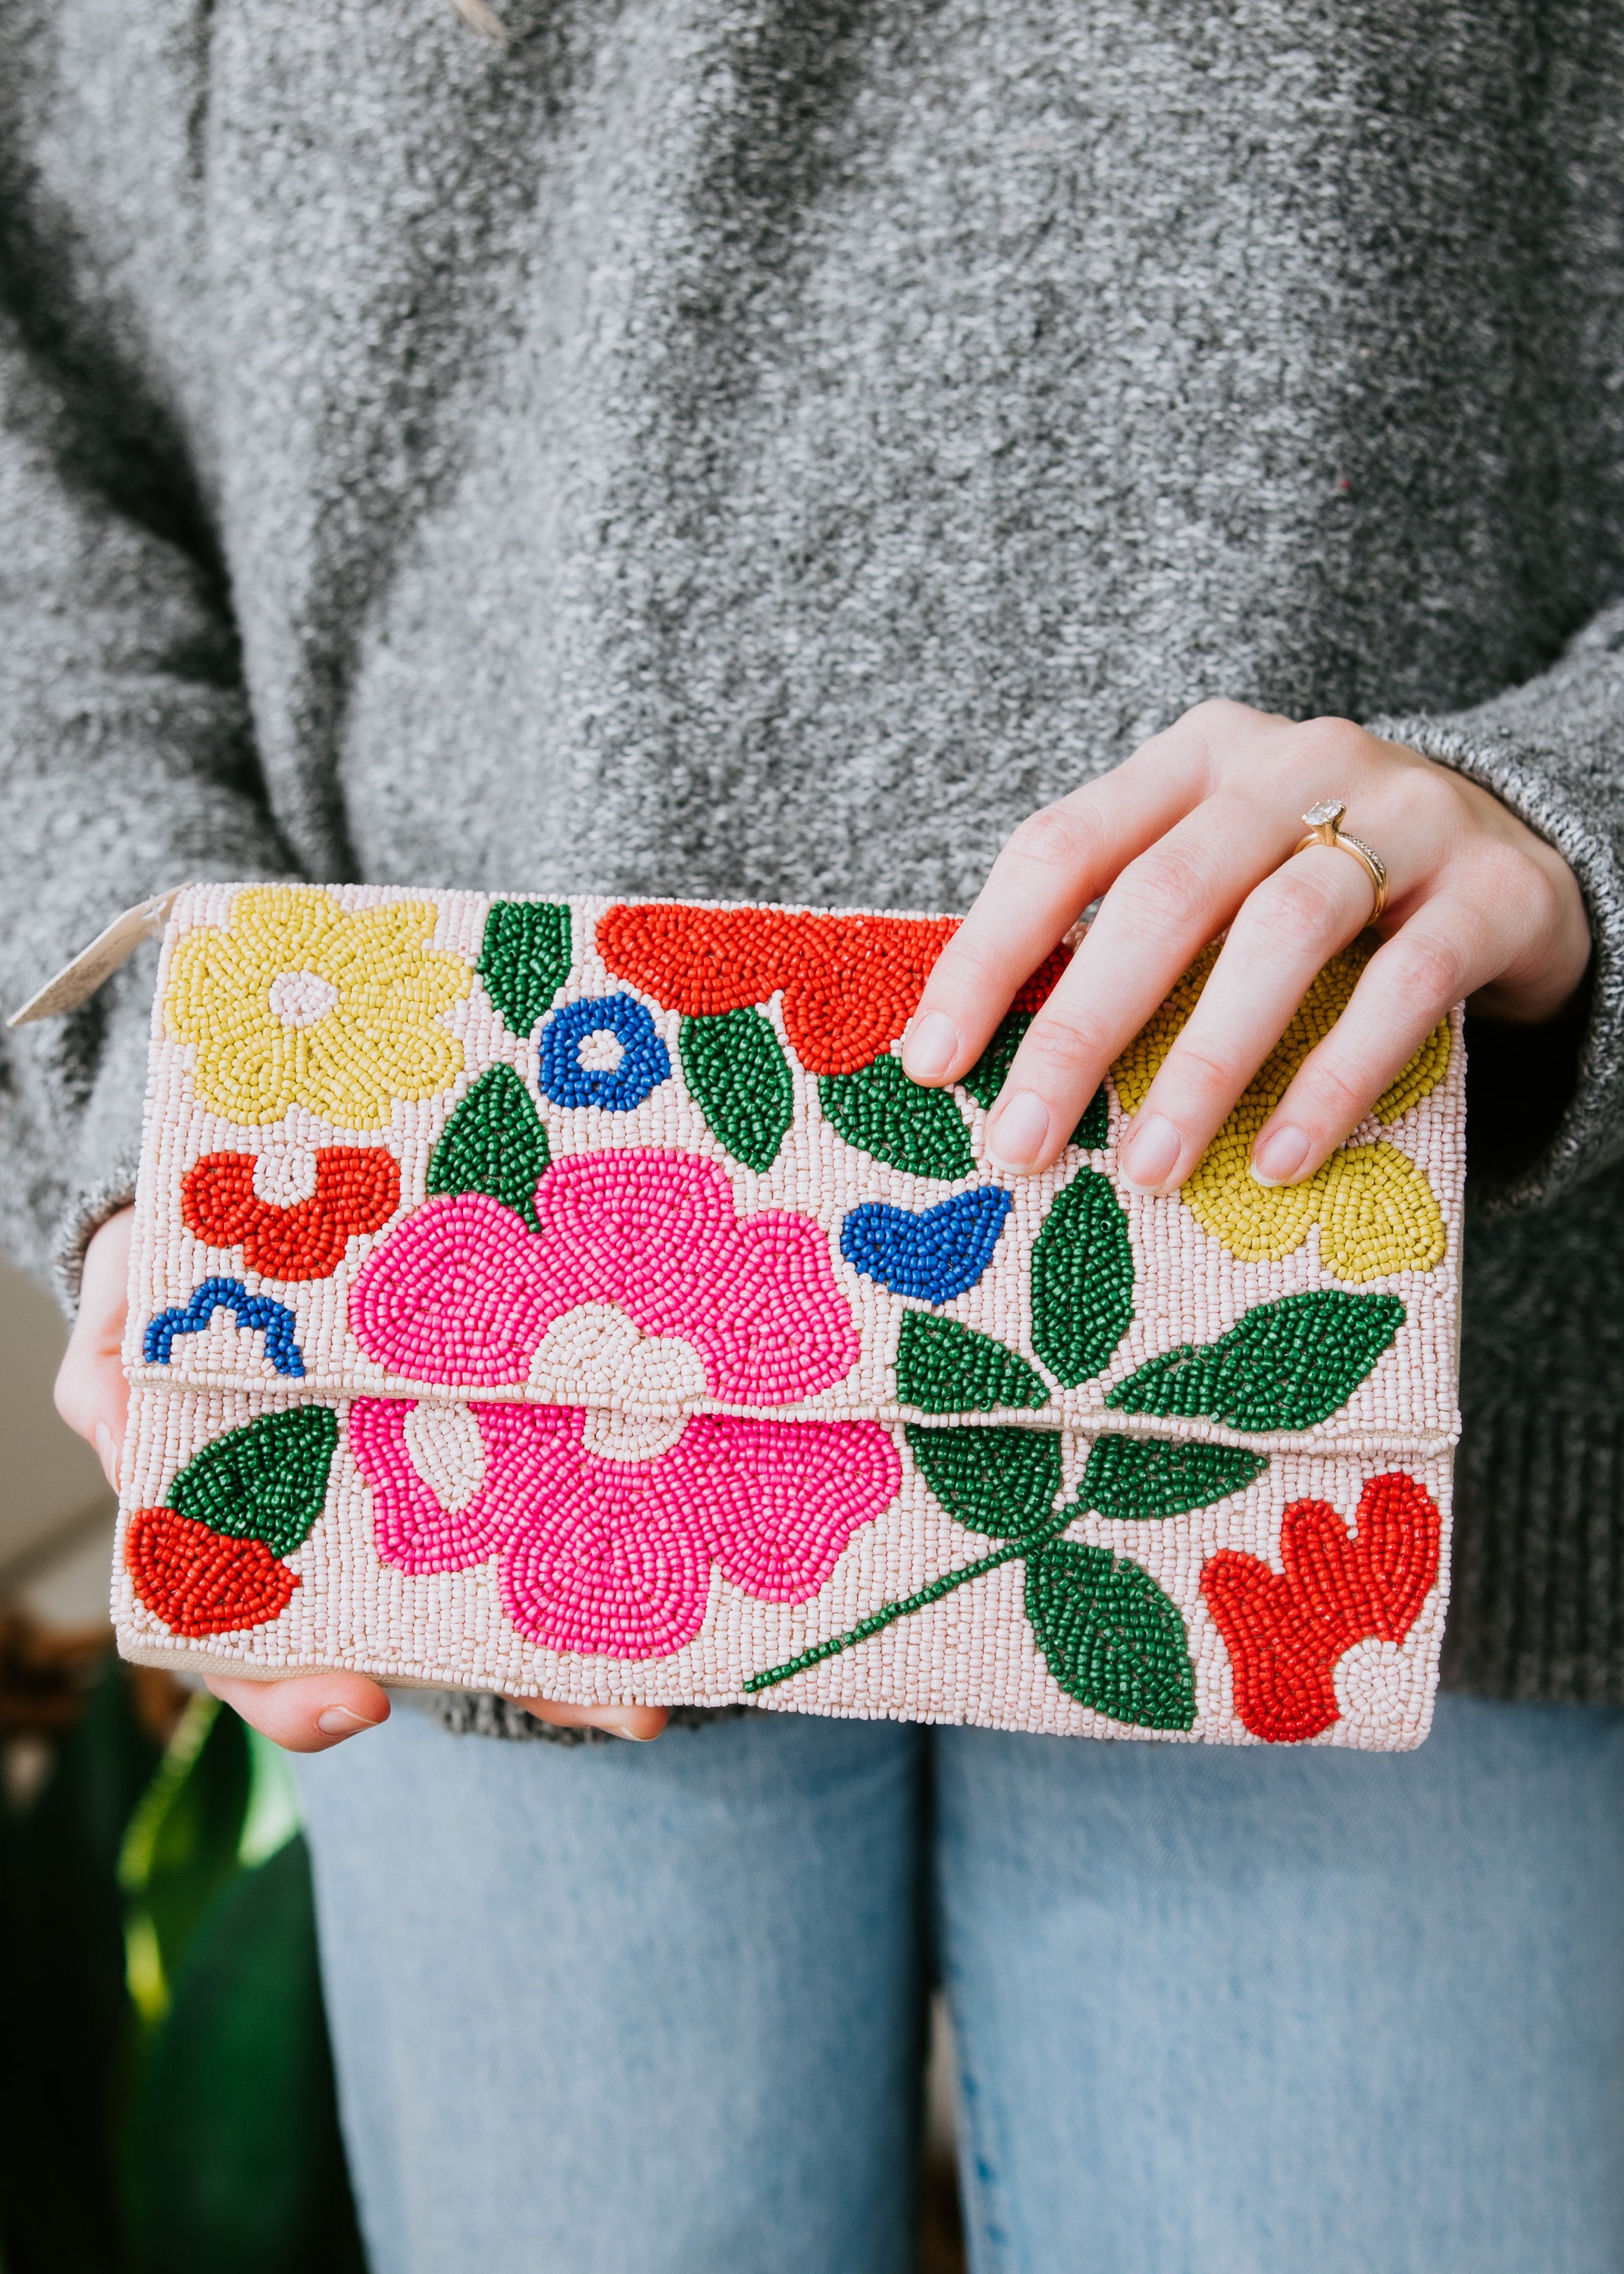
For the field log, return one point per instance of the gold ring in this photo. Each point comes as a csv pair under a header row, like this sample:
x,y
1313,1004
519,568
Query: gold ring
x,y
1321,821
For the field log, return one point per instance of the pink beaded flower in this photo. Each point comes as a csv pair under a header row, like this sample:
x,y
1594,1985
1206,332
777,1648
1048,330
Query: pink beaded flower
x,y
603,1555
464,1291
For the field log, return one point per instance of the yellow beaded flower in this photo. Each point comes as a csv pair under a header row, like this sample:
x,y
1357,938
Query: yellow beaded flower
x,y
1376,1210
297,1002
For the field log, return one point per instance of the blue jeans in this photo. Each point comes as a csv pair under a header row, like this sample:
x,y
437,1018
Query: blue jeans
x,y
621,2010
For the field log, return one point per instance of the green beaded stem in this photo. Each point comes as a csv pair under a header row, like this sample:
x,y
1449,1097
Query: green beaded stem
x,y
888,1613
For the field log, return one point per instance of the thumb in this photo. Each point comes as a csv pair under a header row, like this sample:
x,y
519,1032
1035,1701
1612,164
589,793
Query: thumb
x,y
308,1713
91,1393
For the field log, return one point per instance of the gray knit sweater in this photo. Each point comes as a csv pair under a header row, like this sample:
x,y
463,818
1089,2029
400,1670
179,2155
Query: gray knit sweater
x,y
766,446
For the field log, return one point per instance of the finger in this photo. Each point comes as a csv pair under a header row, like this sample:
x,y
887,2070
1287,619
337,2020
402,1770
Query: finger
x,y
641,1723
1443,953
1155,920
1286,930
1055,865
309,1712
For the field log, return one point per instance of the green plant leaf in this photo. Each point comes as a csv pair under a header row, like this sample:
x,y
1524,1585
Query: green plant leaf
x,y
266,1481
1082,1279
181,1846
1002,1482
1110,1637
236,2158
942,1367
495,1143
1285,1365
525,959
880,1112
735,1067
986,1077
1129,1478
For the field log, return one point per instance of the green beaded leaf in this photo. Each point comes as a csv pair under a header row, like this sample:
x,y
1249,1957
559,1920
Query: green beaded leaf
x,y
942,1367
1109,1635
880,1112
493,1143
266,1481
1082,1279
1132,1478
525,959
1285,1365
1095,1126
735,1067
986,1077
1002,1482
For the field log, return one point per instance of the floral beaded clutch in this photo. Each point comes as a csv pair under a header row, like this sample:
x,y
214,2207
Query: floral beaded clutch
x,y
577,1298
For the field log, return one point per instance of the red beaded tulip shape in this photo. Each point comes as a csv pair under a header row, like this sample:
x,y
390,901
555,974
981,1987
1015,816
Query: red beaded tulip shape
x,y
1286,1629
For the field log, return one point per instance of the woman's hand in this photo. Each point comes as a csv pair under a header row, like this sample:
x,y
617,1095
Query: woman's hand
x,y
307,1713
1194,833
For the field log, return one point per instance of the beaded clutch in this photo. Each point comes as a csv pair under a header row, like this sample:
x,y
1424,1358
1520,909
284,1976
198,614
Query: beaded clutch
x,y
577,1298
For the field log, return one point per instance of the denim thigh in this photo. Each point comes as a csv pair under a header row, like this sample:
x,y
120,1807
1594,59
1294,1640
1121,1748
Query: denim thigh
x,y
620,2009
1222,2010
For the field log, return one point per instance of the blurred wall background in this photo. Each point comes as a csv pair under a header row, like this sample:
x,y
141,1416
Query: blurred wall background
x,y
56,1510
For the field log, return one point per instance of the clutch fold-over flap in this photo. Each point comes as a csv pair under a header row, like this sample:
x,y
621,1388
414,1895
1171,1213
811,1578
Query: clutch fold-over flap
x,y
662,1159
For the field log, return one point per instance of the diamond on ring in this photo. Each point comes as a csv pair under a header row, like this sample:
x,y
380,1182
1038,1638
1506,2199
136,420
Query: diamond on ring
x,y
1320,821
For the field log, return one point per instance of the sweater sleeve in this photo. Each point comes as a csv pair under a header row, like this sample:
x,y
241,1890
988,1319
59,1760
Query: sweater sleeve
x,y
126,765
1553,750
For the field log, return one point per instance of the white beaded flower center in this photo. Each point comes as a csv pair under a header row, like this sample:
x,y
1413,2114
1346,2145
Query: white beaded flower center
x,y
298,998
616,1436
594,1355
600,1052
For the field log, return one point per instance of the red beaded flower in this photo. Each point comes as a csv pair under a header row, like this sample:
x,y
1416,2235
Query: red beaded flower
x,y
358,1190
1286,1629
850,983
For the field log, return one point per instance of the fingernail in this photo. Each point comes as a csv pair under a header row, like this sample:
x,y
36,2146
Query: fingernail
x,y
107,1453
1151,1153
625,1729
1015,1137
929,1047
340,1722
1282,1154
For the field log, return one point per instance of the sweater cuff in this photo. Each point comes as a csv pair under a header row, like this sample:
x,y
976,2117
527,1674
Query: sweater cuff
x,y
1589,1134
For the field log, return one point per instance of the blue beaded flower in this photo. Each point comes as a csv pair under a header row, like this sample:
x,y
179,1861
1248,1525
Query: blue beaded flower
x,y
935,1255
643,1063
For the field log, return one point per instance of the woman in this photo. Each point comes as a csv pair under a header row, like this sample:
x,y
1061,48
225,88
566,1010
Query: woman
x,y
713,449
